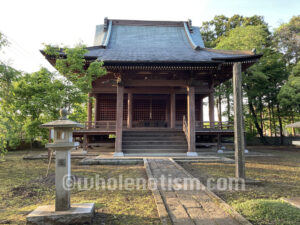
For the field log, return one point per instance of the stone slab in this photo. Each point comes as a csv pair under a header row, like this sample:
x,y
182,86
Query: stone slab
x,y
78,214
293,201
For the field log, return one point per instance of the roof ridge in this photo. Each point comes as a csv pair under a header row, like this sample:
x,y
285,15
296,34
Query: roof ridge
x,y
145,22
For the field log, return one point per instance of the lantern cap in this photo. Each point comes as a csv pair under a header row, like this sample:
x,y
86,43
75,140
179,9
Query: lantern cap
x,y
63,122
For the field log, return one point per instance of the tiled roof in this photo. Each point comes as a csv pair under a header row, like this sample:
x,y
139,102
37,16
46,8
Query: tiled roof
x,y
155,41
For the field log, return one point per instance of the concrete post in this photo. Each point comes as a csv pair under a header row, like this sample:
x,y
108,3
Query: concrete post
x,y
119,121
238,121
191,121
173,109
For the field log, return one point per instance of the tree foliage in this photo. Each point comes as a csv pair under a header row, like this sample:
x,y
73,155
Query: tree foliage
x,y
244,38
220,25
289,95
287,40
70,62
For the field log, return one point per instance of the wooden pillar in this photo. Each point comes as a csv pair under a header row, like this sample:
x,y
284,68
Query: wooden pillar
x,y
129,110
96,109
85,142
191,121
211,106
119,121
238,121
89,110
201,112
173,109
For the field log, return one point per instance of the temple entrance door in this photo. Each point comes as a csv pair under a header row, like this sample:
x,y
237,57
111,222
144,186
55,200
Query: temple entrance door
x,y
150,110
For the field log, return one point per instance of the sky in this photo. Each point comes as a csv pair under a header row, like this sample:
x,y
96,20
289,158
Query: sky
x,y
28,24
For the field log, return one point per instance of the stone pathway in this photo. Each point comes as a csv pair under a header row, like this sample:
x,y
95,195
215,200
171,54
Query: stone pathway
x,y
188,207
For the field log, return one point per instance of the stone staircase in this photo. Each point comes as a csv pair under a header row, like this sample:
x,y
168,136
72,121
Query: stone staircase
x,y
158,142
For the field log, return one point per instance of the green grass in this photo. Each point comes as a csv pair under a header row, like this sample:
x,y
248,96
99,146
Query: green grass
x,y
262,211
23,187
279,177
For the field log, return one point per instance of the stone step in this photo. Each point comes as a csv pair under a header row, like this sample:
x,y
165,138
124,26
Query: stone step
x,y
154,150
148,142
171,147
152,142
155,138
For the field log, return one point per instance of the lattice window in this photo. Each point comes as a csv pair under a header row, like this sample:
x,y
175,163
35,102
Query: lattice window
x,y
141,109
158,110
181,106
107,107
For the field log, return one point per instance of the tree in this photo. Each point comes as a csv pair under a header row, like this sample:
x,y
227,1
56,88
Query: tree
x,y
74,67
220,25
245,38
3,41
289,95
39,96
287,40
8,126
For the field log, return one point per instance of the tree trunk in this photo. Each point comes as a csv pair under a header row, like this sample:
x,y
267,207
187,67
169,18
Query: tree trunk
x,y
280,125
258,128
274,121
219,109
270,119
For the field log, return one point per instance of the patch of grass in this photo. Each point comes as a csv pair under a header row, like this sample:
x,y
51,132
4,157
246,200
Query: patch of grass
x,y
23,187
279,177
262,211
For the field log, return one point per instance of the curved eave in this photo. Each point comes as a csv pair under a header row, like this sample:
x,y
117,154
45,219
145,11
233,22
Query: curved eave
x,y
238,58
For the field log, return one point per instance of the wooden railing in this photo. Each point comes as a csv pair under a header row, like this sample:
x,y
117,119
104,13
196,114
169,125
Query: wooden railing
x,y
203,125
100,125
185,128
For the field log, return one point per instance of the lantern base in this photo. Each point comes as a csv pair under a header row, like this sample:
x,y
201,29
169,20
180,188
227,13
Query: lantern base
x,y
78,214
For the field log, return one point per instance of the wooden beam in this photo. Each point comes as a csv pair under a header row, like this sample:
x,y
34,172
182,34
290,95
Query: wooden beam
x,y
172,109
155,83
191,121
129,110
119,121
238,121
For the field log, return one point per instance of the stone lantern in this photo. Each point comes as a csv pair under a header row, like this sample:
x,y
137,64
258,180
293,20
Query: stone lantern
x,y
63,210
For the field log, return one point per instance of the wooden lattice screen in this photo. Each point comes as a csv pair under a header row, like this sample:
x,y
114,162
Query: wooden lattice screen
x,y
107,107
149,107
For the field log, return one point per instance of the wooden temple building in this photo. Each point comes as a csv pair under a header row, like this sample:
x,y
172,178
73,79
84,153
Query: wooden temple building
x,y
158,73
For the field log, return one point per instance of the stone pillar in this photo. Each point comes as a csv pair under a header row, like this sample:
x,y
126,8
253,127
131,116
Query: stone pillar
x,y
119,121
129,110
62,173
89,110
201,112
238,121
173,109
191,121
